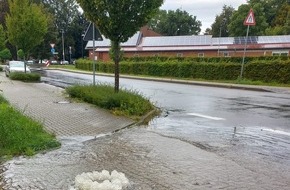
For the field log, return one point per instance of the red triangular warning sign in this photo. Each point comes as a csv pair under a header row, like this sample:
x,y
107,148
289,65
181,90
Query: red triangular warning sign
x,y
250,19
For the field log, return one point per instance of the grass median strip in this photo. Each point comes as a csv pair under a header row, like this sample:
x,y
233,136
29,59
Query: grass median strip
x,y
127,102
20,135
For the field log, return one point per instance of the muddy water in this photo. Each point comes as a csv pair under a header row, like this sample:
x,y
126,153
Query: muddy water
x,y
150,160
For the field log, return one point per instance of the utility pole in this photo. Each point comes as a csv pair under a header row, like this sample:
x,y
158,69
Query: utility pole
x,y
62,32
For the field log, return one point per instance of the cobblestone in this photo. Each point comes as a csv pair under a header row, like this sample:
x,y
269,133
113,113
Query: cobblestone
x,y
60,115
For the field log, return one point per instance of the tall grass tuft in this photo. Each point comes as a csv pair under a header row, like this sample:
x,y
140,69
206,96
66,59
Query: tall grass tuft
x,y
127,102
20,135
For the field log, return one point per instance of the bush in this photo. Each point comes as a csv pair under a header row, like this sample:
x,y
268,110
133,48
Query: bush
x,y
1,68
266,69
126,102
26,77
20,134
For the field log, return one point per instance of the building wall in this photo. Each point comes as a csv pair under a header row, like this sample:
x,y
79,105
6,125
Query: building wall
x,y
104,56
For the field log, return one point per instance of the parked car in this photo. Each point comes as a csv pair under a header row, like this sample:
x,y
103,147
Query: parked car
x,y
30,62
64,62
16,66
54,62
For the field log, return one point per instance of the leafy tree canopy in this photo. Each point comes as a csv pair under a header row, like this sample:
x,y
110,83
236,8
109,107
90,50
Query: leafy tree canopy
x,y
236,27
2,38
26,24
118,20
220,25
172,23
4,8
5,54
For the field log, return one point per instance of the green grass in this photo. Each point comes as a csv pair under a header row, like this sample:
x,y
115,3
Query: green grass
x,y
26,77
127,102
20,135
70,67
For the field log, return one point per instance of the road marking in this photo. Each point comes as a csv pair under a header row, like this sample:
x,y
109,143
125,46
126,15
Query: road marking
x,y
277,131
206,116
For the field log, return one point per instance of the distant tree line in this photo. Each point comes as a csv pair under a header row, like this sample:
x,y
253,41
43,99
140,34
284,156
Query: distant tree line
x,y
44,21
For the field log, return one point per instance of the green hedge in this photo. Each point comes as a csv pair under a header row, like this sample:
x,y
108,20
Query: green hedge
x,y
26,77
276,69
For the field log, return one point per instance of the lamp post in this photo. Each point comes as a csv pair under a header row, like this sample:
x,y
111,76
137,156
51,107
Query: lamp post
x,y
82,39
220,35
70,54
62,32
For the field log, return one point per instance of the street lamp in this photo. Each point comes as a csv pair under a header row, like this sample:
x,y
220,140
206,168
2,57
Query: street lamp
x,y
62,32
83,35
223,23
70,54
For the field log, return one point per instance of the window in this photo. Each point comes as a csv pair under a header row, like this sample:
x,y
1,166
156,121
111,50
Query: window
x,y
200,55
280,53
226,54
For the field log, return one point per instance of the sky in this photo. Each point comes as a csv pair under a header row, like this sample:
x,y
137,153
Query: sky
x,y
204,10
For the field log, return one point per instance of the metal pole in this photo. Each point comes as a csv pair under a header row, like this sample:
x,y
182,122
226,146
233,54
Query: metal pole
x,y
70,54
62,45
94,56
219,41
245,48
83,45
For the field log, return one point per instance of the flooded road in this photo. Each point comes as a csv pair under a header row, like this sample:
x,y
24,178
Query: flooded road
x,y
205,138
150,161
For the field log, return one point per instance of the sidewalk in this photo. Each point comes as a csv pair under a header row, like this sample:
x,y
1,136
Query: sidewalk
x,y
61,116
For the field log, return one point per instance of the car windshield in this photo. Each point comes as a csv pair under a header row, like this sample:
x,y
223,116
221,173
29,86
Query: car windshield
x,y
16,64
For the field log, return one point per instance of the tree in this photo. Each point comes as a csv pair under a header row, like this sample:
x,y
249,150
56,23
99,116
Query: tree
x,y
175,23
236,27
5,54
2,38
118,20
4,8
207,31
21,54
26,25
281,23
220,25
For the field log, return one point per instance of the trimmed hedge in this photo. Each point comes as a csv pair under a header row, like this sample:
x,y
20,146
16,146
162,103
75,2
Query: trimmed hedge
x,y
26,77
276,69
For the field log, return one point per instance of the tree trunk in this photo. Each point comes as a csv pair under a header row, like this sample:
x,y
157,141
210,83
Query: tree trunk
x,y
116,53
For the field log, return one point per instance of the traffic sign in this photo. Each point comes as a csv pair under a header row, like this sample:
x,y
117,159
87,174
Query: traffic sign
x,y
89,35
52,45
52,50
250,19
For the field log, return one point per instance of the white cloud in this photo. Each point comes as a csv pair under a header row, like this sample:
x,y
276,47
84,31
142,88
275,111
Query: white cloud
x,y
204,10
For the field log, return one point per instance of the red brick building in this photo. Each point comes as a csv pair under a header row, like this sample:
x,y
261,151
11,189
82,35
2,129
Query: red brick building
x,y
148,43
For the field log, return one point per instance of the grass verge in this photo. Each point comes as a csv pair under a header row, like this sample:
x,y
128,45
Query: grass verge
x,y
26,77
127,102
20,135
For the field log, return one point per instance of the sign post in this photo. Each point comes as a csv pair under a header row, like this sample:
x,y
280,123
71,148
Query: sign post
x,y
249,21
94,34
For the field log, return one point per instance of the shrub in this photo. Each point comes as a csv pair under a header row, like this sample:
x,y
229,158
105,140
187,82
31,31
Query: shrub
x,y
126,102
266,69
26,77
1,68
